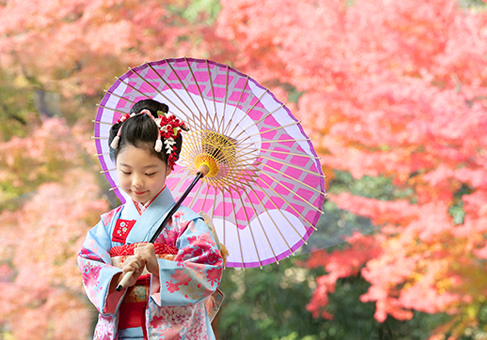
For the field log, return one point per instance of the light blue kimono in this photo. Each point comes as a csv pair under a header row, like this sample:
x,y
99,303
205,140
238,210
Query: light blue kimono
x,y
176,308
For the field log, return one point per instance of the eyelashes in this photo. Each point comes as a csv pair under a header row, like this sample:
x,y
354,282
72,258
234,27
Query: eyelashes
x,y
129,173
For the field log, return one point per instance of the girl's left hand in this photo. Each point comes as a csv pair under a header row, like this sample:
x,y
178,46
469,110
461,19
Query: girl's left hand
x,y
146,252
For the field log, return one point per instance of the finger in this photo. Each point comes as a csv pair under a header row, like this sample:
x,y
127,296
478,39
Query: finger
x,y
133,263
130,268
141,245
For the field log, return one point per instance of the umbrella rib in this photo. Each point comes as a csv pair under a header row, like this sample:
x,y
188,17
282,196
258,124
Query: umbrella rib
x,y
109,108
273,222
238,233
93,137
279,141
120,97
230,184
213,214
133,87
290,153
233,177
227,183
100,122
188,118
293,166
211,85
221,126
206,195
261,227
185,89
223,189
180,180
108,170
280,211
262,118
165,97
196,194
156,89
101,154
236,106
247,113
295,179
273,129
294,193
192,147
199,91
291,206
176,172
251,147
248,226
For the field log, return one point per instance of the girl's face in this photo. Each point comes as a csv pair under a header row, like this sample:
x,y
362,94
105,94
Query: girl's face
x,y
140,174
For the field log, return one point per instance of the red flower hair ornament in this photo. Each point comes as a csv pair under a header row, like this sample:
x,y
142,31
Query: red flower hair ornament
x,y
169,127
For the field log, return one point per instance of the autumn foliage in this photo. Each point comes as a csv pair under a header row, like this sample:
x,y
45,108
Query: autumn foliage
x,y
395,88
39,278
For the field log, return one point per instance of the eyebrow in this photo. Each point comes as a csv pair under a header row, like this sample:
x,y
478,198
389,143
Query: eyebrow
x,y
145,167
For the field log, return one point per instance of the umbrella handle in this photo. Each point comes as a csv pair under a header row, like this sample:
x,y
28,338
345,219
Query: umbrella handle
x,y
125,278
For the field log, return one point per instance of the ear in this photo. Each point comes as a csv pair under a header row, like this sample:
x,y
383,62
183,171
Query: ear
x,y
168,170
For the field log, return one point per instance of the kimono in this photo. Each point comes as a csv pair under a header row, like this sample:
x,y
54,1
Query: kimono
x,y
175,302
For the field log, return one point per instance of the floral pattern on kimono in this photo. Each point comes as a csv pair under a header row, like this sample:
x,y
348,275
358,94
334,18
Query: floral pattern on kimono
x,y
176,308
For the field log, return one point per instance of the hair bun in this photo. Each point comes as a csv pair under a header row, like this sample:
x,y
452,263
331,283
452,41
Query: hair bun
x,y
164,108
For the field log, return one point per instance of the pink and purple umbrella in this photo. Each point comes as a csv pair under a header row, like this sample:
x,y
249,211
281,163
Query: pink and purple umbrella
x,y
265,189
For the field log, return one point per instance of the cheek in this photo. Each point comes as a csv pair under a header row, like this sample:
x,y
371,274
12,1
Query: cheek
x,y
123,181
160,182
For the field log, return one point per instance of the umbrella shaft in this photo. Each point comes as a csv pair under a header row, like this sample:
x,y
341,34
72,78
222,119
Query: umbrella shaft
x,y
176,206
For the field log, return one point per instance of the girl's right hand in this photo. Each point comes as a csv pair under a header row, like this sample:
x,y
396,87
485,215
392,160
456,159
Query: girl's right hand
x,y
134,264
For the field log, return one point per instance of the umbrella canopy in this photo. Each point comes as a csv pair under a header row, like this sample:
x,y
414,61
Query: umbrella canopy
x,y
265,188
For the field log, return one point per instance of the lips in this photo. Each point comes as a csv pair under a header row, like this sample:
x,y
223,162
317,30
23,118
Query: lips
x,y
139,193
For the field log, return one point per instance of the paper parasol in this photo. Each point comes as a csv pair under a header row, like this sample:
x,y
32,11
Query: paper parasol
x,y
265,189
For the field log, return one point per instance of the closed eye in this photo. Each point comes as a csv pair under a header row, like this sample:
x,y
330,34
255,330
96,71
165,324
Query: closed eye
x,y
151,174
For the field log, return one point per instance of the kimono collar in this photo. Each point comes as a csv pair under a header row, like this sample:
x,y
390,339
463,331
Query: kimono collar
x,y
142,207
162,202
150,220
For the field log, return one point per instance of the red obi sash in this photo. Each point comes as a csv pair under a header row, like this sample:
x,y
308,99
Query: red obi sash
x,y
134,304
128,249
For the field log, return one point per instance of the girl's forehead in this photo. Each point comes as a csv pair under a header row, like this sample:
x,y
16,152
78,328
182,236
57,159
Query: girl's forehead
x,y
137,157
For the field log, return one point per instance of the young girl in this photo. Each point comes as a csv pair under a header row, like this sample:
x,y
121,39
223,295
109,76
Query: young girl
x,y
165,298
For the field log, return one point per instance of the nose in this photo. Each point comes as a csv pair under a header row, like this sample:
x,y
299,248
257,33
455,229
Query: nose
x,y
137,182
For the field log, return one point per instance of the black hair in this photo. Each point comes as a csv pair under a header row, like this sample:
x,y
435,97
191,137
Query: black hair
x,y
141,131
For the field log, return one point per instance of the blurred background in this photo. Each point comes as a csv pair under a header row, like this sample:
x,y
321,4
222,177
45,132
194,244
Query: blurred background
x,y
393,94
